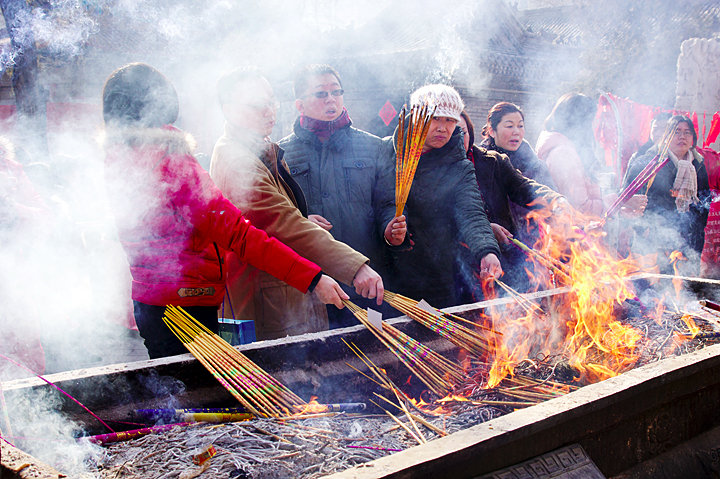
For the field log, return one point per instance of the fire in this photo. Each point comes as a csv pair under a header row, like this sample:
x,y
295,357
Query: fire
x,y
423,405
690,323
452,397
418,403
312,407
675,257
581,325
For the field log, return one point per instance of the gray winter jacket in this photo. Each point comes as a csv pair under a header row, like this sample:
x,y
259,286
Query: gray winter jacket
x,y
347,181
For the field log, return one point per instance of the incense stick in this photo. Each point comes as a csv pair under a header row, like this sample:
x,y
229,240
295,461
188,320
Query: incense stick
x,y
39,376
647,174
546,260
438,373
457,334
254,388
524,303
408,149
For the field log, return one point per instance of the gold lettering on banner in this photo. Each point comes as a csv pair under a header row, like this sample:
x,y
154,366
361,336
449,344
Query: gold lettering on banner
x,y
188,292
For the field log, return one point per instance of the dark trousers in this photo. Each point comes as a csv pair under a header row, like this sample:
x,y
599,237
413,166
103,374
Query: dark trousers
x,y
159,340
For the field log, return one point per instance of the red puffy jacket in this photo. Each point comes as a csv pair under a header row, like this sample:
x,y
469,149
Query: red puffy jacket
x,y
176,226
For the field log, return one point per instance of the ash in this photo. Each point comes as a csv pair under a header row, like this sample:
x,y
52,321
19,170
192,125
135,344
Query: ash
x,y
262,448
314,447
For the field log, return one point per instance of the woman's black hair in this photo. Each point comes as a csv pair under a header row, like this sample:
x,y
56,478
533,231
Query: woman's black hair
x,y
572,116
675,119
496,114
139,95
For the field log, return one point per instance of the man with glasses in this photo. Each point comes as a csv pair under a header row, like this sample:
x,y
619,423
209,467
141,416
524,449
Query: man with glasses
x,y
348,185
250,171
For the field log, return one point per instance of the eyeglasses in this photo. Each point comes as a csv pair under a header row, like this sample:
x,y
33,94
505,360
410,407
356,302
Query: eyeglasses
x,y
325,94
680,132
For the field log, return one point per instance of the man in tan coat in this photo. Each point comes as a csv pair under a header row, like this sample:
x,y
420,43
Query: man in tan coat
x,y
249,170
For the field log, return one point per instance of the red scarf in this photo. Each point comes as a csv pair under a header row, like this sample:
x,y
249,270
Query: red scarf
x,y
325,129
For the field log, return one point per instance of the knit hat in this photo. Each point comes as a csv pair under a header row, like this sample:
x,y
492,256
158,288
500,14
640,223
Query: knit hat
x,y
445,98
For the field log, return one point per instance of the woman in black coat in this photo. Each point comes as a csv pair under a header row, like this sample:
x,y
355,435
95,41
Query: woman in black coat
x,y
503,186
504,132
444,211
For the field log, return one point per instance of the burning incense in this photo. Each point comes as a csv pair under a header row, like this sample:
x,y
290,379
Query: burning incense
x,y
414,417
383,380
408,150
647,175
521,300
548,261
457,334
438,373
419,438
127,435
168,414
256,390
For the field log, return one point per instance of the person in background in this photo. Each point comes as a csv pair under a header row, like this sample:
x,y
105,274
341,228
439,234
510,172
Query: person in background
x,y
444,210
347,183
677,199
504,132
501,186
250,171
566,146
173,222
657,129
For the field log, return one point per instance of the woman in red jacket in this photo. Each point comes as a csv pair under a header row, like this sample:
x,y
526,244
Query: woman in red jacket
x,y
173,222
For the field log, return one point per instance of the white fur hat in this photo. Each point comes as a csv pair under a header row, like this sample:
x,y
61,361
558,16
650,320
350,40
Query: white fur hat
x,y
444,97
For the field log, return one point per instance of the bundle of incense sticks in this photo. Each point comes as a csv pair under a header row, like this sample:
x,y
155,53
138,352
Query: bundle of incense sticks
x,y
260,393
521,300
408,150
458,334
549,262
647,175
438,373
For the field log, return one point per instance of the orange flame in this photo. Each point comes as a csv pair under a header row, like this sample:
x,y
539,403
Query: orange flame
x,y
312,407
675,257
581,324
452,397
690,323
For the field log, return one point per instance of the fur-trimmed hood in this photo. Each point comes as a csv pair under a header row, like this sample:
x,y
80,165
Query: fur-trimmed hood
x,y
168,138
